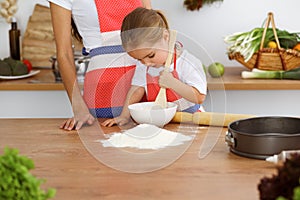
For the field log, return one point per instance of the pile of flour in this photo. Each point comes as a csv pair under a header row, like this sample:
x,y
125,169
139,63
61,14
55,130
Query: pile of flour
x,y
146,136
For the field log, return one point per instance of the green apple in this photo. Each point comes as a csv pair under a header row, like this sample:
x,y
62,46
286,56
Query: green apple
x,y
216,69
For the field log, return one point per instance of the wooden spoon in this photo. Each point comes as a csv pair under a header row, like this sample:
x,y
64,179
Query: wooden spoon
x,y
161,98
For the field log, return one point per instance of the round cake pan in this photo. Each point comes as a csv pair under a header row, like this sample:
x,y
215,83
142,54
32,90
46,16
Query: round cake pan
x,y
261,137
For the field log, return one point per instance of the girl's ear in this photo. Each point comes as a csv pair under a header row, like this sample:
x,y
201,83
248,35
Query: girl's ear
x,y
166,35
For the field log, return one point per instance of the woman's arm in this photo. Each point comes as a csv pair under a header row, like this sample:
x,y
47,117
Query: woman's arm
x,y
61,22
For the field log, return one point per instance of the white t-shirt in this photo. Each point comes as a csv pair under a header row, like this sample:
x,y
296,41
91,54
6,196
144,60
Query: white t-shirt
x,y
85,16
188,67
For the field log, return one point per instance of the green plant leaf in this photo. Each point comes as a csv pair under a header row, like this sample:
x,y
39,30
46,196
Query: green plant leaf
x,y
16,181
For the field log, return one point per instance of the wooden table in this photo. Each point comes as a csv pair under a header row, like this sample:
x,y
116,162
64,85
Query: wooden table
x,y
61,158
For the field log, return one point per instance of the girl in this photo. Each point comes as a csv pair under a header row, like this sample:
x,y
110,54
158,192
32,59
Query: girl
x,y
145,37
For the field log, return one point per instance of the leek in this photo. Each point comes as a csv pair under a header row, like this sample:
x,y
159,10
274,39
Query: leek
x,y
248,43
266,74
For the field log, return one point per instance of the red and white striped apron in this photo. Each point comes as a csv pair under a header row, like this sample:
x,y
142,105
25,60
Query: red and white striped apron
x,y
110,71
153,90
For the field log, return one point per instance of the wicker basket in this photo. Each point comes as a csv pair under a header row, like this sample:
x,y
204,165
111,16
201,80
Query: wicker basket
x,y
270,58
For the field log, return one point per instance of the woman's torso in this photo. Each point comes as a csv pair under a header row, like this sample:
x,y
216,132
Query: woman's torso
x,y
85,16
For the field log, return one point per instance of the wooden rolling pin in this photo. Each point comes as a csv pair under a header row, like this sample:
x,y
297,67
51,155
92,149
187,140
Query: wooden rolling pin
x,y
209,118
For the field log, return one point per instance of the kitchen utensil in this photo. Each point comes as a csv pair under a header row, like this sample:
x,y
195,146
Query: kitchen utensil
x,y
261,137
81,65
209,118
143,113
161,98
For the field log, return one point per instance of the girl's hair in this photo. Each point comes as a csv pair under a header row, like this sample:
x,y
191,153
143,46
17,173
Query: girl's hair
x,y
142,25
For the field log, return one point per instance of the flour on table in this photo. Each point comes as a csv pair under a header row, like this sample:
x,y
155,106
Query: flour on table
x,y
146,136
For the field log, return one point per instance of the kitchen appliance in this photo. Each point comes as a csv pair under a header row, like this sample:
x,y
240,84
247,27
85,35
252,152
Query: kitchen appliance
x,y
261,137
81,65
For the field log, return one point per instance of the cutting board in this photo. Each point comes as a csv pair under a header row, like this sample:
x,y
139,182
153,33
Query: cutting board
x,y
38,44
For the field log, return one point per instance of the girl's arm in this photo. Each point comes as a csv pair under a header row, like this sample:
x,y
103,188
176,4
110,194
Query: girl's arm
x,y
61,22
188,92
134,95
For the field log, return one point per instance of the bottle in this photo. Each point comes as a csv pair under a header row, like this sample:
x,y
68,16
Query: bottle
x,y
282,156
14,40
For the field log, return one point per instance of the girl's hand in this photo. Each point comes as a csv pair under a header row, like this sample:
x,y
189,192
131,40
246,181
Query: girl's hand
x,y
166,79
117,120
75,123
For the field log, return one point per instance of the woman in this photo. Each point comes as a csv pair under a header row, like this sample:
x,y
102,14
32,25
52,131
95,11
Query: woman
x,y
98,23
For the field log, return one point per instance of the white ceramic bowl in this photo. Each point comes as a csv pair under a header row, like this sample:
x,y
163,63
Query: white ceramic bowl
x,y
146,113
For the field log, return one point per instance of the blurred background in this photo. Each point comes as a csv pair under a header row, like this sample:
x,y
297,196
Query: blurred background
x,y
206,27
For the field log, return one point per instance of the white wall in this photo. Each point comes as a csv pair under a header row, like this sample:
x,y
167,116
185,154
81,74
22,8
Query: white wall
x,y
206,27
211,23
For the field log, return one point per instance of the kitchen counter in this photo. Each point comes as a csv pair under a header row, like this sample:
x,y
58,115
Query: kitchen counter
x,y
230,81
44,80
61,158
40,96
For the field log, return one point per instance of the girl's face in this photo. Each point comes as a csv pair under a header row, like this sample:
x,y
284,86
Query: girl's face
x,y
154,55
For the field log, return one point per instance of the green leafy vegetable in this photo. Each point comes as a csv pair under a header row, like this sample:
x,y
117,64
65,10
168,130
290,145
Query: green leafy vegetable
x,y
266,74
16,182
296,195
248,43
12,67
285,185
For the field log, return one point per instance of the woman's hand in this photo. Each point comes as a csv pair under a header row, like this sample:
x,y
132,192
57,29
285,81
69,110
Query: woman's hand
x,y
75,123
117,120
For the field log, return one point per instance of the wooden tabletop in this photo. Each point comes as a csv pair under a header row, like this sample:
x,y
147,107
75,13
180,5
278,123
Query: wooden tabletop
x,y
63,160
230,81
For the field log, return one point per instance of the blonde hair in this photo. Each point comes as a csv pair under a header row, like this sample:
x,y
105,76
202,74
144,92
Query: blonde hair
x,y
142,25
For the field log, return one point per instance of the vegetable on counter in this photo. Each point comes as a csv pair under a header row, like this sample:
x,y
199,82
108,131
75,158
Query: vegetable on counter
x,y
266,74
28,64
248,43
285,184
297,47
11,67
16,181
